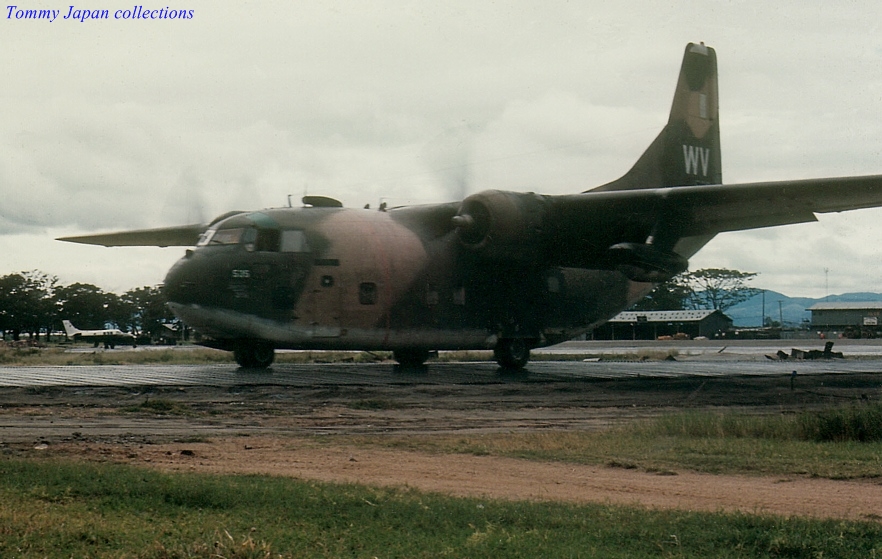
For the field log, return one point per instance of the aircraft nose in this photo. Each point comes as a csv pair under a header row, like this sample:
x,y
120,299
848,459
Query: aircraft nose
x,y
186,282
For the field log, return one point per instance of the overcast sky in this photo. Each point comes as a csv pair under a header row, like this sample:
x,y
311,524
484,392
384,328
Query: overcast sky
x,y
116,124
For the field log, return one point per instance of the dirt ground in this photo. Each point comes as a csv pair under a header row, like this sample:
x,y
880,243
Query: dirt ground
x,y
504,478
273,429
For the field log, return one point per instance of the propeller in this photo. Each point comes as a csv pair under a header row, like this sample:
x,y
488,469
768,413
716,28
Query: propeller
x,y
184,201
449,157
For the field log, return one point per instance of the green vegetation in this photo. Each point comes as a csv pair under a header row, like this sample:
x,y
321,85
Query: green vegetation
x,y
34,304
839,443
52,509
708,288
640,355
59,356
861,423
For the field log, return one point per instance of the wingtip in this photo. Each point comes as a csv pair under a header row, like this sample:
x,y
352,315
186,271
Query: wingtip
x,y
79,240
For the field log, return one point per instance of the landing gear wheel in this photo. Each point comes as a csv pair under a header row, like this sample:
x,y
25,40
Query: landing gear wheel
x,y
410,357
512,353
254,355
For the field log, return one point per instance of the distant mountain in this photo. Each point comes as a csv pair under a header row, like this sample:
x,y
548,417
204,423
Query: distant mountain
x,y
793,309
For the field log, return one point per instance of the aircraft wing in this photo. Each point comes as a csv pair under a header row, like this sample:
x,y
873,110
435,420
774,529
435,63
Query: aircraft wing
x,y
580,229
184,235
709,209
748,206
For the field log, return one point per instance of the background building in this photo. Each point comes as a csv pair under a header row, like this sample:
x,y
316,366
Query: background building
x,y
851,320
650,325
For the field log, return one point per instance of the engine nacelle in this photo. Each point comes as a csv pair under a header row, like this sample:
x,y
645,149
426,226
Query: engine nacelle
x,y
646,263
500,224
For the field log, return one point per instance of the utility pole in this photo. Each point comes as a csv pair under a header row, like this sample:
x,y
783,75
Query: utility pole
x,y
763,321
826,285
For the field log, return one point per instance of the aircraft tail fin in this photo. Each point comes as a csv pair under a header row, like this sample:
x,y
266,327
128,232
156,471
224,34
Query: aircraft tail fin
x,y
687,151
70,329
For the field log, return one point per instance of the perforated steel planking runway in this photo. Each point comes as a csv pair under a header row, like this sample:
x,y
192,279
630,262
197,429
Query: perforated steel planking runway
x,y
433,373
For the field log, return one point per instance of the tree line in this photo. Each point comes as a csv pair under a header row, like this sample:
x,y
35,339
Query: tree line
x,y
708,288
34,303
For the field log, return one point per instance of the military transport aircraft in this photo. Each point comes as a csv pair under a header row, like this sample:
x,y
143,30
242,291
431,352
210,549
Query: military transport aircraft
x,y
109,337
507,271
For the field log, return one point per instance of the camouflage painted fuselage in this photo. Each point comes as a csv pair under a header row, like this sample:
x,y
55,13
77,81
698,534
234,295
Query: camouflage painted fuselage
x,y
334,278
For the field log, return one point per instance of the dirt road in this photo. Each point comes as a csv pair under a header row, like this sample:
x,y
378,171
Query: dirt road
x,y
268,429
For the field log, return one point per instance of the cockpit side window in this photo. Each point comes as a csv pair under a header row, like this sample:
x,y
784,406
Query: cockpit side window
x,y
249,236
294,241
268,240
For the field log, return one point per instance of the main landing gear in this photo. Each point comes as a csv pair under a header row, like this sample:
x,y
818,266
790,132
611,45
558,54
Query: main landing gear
x,y
411,357
512,353
254,355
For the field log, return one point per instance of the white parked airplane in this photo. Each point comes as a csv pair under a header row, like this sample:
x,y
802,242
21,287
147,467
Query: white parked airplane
x,y
108,337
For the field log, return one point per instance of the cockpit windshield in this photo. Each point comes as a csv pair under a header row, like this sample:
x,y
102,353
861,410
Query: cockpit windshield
x,y
261,240
221,237
205,237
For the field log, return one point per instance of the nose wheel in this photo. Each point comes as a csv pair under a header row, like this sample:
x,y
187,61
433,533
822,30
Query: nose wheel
x,y
254,355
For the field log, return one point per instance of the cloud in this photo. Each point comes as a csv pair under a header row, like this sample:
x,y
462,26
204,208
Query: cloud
x,y
143,124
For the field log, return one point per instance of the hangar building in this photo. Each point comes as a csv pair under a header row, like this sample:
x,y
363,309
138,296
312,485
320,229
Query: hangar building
x,y
650,325
853,319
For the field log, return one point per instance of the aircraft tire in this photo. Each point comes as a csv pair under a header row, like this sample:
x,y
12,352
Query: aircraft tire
x,y
512,353
410,357
254,355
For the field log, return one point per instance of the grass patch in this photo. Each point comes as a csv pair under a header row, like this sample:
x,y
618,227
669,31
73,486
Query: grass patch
x,y
56,509
59,356
479,356
11,356
857,423
698,441
333,357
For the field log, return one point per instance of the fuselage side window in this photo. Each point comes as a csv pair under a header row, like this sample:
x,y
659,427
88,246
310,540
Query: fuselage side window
x,y
294,241
367,293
